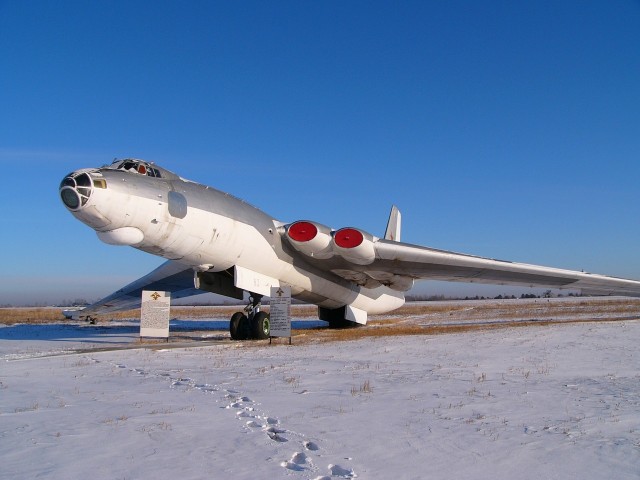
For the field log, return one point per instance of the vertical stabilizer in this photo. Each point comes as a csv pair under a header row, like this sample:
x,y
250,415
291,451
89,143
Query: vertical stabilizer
x,y
393,225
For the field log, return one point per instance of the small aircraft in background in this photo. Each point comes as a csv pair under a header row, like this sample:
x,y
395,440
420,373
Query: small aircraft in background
x,y
215,242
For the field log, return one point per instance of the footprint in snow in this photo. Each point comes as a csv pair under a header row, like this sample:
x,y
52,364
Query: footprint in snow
x,y
311,446
297,462
338,471
273,430
239,402
206,388
299,458
276,437
182,382
292,466
275,434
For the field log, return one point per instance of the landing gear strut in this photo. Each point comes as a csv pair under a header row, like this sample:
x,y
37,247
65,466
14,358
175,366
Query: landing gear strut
x,y
252,324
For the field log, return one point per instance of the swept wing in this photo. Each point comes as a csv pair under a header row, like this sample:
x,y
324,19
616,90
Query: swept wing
x,y
426,263
171,277
371,262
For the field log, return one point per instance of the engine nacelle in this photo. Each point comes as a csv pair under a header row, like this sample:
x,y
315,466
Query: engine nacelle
x,y
310,238
354,245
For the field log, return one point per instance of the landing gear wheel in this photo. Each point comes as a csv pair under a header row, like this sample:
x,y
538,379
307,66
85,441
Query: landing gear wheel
x,y
239,326
260,326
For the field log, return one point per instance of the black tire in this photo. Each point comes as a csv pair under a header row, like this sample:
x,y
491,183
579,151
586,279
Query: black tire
x,y
260,326
239,326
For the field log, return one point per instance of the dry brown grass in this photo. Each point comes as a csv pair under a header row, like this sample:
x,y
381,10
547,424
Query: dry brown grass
x,y
526,307
411,319
442,317
351,334
392,329
10,316
36,315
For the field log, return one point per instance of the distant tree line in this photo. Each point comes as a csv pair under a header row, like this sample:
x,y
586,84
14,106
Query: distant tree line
x,y
440,298
81,302
78,302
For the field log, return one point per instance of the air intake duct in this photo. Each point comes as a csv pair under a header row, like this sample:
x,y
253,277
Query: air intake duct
x,y
310,238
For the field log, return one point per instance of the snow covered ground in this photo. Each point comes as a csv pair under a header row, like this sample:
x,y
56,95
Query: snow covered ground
x,y
559,401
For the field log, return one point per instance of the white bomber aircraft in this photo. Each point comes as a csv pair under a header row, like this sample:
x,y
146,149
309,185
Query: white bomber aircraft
x,y
214,242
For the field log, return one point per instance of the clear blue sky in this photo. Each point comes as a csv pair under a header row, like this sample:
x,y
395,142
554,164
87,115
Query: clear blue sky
x,y
508,129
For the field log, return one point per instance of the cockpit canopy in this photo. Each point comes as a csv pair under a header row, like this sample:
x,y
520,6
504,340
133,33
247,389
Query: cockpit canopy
x,y
136,166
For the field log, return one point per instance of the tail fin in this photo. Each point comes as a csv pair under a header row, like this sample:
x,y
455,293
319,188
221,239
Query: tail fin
x,y
393,225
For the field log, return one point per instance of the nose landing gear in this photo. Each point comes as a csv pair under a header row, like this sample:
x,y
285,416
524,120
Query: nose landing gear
x,y
253,324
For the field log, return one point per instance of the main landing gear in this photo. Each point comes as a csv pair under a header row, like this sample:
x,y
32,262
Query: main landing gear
x,y
252,323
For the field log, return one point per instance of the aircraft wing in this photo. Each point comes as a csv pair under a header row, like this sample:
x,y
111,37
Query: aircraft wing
x,y
169,277
397,264
382,262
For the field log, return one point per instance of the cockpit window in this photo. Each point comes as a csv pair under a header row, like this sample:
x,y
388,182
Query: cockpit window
x,y
135,166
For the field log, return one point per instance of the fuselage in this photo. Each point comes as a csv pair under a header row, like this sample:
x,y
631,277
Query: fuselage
x,y
139,204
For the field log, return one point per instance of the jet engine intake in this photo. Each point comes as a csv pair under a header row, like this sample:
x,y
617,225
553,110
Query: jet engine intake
x,y
354,245
310,238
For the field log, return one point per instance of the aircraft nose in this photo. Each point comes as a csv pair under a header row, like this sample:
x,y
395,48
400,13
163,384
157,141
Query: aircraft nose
x,y
75,189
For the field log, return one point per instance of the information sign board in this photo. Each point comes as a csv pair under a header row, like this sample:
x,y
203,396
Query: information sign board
x,y
154,314
280,312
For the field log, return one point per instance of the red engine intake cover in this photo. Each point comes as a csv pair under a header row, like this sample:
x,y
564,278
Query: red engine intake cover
x,y
348,238
302,231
